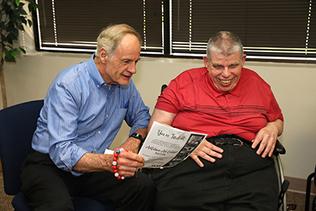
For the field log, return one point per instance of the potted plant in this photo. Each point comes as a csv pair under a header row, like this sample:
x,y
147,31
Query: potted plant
x,y
13,18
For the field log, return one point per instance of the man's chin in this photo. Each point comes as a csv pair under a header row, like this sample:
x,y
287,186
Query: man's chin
x,y
124,82
225,88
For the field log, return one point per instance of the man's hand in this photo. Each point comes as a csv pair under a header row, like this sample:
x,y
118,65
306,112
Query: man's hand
x,y
131,144
129,163
207,151
266,138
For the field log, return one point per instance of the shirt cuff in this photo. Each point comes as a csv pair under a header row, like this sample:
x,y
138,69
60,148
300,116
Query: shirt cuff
x,y
75,158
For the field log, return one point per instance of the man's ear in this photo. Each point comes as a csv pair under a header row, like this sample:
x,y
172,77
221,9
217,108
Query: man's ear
x,y
206,62
103,55
243,58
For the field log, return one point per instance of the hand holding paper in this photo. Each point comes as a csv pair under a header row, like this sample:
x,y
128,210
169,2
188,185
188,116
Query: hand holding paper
x,y
166,146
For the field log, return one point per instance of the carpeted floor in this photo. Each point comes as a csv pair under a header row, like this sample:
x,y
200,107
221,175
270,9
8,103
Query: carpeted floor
x,y
5,200
295,201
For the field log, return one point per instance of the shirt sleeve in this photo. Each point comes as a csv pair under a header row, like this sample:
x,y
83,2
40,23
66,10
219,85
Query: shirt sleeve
x,y
62,128
137,115
274,112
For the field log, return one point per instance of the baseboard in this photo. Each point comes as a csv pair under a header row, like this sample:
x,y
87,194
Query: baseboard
x,y
298,185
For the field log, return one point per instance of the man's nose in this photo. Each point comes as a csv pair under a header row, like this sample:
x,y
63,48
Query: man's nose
x,y
226,72
132,67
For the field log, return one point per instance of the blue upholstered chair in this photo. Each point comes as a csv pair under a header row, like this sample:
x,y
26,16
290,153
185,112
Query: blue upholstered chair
x,y
17,124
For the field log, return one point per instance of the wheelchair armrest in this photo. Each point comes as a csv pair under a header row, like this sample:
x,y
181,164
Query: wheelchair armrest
x,y
163,87
279,148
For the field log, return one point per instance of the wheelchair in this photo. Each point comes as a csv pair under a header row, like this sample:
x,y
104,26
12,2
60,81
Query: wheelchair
x,y
283,183
310,205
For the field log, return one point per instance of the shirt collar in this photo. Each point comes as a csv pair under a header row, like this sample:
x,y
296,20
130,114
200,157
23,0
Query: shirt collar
x,y
95,74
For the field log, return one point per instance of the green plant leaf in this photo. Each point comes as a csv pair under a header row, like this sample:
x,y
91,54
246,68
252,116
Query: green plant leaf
x,y
24,21
32,5
9,57
29,22
11,54
13,18
17,2
22,50
23,12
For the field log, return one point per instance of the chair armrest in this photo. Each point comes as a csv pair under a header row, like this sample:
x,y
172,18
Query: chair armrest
x,y
163,87
279,148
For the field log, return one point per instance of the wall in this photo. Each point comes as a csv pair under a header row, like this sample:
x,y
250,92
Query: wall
x,y
293,85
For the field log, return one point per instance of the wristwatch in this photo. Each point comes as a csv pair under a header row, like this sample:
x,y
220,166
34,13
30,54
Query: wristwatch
x,y
137,136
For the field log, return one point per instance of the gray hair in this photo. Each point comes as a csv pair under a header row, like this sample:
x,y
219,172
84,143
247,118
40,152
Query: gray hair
x,y
111,36
225,43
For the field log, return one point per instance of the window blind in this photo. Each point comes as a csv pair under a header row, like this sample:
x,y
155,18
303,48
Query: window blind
x,y
73,25
271,29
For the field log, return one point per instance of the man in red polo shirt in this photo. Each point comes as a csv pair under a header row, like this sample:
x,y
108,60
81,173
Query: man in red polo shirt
x,y
233,168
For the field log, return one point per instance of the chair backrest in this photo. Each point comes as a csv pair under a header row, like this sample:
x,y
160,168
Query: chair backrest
x,y
17,125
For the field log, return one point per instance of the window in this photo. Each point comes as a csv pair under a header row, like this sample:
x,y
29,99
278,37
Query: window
x,y
269,29
73,25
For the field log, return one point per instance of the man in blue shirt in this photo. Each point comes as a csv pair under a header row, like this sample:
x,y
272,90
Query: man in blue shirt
x,y
82,113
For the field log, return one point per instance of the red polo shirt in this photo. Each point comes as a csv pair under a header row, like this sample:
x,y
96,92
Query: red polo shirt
x,y
200,107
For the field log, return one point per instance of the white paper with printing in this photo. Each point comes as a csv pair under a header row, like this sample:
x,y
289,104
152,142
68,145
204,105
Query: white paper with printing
x,y
166,146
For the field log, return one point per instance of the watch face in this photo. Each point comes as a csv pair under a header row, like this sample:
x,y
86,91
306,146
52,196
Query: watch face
x,y
138,136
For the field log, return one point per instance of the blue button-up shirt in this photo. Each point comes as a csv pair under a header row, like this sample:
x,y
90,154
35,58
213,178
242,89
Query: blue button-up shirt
x,y
82,113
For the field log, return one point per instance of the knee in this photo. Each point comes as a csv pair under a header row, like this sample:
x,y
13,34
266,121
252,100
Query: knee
x,y
49,200
162,202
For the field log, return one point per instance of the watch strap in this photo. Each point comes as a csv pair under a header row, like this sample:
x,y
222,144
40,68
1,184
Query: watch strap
x,y
137,136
